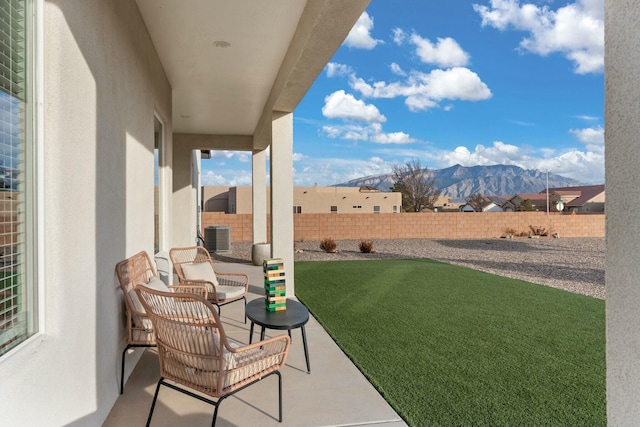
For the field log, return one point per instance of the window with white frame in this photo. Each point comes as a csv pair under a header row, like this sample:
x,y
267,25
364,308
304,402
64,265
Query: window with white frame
x,y
297,209
334,209
158,160
376,209
18,289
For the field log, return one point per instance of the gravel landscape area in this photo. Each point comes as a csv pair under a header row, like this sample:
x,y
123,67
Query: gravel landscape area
x,y
573,264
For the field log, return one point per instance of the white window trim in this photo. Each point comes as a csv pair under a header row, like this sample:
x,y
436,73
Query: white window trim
x,y
163,209
38,139
34,341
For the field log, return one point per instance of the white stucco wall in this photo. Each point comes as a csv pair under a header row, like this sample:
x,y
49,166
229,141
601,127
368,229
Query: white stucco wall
x,y
622,127
103,83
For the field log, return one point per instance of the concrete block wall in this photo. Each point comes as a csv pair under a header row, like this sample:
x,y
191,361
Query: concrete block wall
x,y
445,225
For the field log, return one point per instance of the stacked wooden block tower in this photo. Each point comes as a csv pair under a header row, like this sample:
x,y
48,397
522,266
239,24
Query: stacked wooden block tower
x,y
274,284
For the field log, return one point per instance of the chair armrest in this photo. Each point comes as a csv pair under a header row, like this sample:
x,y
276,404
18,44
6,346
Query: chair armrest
x,y
199,289
241,365
233,279
277,344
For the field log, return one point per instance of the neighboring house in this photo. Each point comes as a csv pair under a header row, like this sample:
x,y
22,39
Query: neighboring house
x,y
484,204
538,201
238,200
444,204
580,199
106,106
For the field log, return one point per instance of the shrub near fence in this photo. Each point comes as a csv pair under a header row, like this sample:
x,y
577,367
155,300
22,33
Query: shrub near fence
x,y
444,225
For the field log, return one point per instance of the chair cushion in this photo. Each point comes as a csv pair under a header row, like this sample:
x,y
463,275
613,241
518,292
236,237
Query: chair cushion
x,y
200,271
236,366
154,283
195,347
157,284
227,292
136,301
139,321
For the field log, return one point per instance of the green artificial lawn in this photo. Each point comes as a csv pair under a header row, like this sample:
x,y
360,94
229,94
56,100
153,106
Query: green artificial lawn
x,y
451,346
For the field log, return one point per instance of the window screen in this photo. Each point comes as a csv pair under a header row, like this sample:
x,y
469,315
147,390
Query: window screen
x,y
17,289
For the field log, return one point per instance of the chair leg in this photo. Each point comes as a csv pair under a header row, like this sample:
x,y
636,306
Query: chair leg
x,y
245,309
279,396
124,352
215,411
153,404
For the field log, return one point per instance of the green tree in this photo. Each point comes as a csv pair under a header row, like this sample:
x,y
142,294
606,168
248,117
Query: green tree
x,y
417,186
525,206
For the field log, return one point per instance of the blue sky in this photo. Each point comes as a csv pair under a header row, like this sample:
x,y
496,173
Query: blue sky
x,y
452,82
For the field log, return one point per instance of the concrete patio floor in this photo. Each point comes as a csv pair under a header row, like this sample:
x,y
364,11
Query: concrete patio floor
x,y
335,393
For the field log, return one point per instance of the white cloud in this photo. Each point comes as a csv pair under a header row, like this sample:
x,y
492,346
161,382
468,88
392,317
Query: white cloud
x,y
454,83
212,178
330,171
392,138
422,90
575,30
241,156
593,135
587,118
297,157
499,153
425,90
445,53
334,69
521,123
332,131
341,105
367,133
231,177
396,69
398,36
222,154
360,35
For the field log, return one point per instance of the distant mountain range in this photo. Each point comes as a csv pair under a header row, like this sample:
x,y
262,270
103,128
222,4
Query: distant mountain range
x,y
460,182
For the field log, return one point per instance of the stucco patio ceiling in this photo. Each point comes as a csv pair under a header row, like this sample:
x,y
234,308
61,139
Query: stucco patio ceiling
x,y
275,51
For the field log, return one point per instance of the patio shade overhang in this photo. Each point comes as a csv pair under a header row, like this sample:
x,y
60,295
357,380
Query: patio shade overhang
x,y
235,66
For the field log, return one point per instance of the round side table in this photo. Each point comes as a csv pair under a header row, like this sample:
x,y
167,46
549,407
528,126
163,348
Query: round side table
x,y
295,316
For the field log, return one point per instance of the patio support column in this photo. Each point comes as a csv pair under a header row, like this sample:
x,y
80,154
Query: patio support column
x,y
281,164
259,195
622,110
184,197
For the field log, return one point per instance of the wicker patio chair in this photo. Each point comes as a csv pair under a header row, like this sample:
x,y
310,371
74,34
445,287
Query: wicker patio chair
x,y
195,353
132,271
195,267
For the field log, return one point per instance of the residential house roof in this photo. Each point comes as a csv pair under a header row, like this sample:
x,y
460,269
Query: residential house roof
x,y
583,194
531,196
368,189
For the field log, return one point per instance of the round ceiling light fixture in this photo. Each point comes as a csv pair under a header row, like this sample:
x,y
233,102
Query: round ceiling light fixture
x,y
221,44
